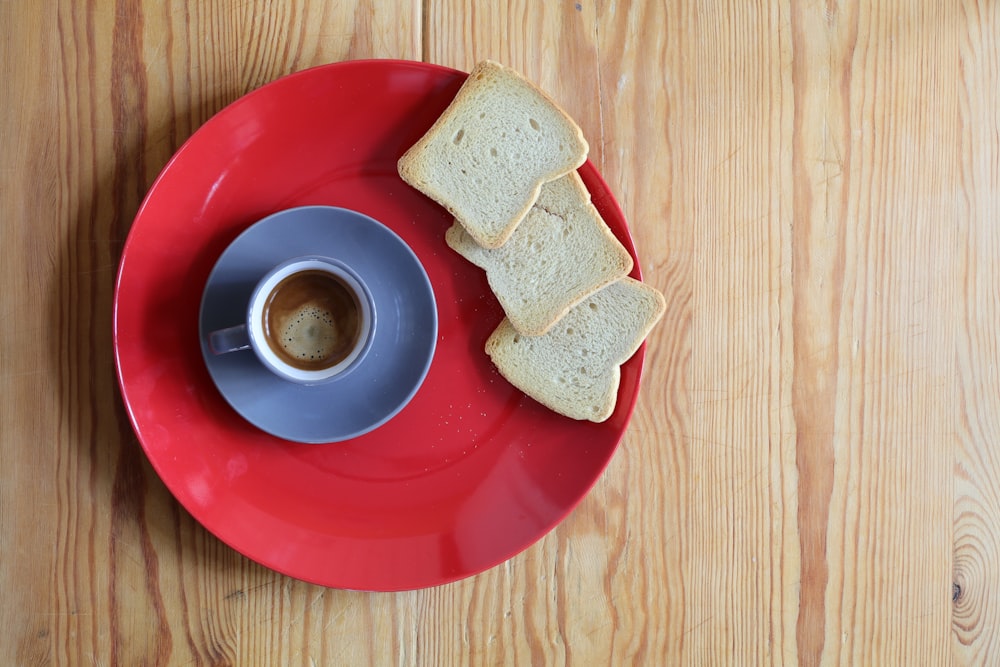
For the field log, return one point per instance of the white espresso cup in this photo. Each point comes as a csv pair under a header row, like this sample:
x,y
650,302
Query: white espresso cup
x,y
309,320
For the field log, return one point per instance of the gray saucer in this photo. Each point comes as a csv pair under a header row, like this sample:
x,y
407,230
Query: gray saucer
x,y
368,395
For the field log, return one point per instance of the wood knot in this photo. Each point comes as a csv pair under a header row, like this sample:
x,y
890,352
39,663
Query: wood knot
x,y
975,548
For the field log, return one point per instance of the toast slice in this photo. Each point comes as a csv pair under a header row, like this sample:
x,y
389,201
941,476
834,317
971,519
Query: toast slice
x,y
574,369
561,253
487,155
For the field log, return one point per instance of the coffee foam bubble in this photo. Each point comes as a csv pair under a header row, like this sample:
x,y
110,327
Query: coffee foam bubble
x,y
310,334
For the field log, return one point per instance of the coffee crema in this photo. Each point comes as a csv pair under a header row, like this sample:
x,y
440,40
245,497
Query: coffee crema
x,y
312,320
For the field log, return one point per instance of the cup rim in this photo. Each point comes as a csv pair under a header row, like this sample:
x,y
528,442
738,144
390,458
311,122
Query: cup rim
x,y
254,321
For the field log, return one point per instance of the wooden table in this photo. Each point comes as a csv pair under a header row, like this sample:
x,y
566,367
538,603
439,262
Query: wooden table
x,y
812,475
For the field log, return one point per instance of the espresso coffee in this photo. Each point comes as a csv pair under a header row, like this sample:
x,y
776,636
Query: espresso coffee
x,y
312,320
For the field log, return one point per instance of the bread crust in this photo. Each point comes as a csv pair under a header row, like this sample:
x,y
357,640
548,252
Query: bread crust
x,y
575,369
487,155
561,253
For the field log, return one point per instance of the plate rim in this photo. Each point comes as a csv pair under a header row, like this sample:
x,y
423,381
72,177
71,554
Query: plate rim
x,y
592,178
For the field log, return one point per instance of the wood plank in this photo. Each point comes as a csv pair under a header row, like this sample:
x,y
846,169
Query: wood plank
x,y
739,534
874,352
107,565
974,27
570,586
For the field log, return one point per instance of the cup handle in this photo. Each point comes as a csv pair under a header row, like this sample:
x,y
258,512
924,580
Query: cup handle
x,y
232,339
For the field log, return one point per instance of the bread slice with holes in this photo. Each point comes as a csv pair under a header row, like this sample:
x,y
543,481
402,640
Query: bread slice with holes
x,y
574,369
560,253
490,151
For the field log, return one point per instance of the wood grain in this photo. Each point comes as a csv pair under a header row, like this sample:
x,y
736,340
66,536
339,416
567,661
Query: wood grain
x,y
877,366
811,476
976,559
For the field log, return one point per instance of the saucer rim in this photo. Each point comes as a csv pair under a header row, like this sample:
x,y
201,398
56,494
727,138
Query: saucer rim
x,y
262,227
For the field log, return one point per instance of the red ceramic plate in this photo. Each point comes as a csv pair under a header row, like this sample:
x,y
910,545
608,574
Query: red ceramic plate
x,y
470,473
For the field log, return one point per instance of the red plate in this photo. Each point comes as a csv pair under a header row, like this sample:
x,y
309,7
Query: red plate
x,y
470,473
